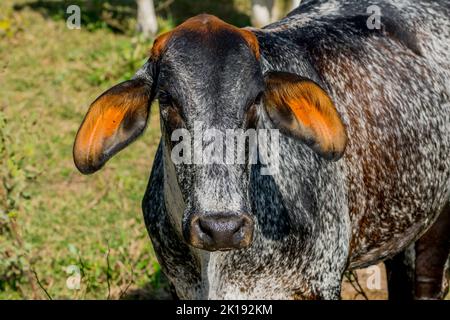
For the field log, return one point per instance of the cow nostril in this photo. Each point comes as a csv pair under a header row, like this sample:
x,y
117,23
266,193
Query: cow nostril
x,y
221,231
205,227
218,228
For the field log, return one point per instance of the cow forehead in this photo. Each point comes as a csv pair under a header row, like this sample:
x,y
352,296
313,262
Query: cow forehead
x,y
206,28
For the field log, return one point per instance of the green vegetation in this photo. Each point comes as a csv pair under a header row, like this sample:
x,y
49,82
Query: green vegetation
x,y
51,216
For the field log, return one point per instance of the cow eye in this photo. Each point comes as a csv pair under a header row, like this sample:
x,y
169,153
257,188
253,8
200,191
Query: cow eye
x,y
258,98
164,98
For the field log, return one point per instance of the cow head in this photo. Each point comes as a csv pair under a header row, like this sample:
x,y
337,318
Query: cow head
x,y
209,72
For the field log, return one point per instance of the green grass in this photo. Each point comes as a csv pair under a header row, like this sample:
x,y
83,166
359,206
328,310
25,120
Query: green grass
x,y
48,77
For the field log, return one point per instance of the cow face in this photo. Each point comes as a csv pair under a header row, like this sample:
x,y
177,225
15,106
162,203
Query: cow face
x,y
207,77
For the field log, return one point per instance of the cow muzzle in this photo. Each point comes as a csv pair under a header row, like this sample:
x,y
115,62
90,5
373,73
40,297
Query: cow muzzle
x,y
220,231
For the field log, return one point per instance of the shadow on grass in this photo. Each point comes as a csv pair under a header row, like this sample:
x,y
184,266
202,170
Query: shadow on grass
x,y
227,10
162,291
120,15
117,15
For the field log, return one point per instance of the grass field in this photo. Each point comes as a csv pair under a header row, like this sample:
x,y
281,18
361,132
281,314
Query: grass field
x,y
48,77
53,219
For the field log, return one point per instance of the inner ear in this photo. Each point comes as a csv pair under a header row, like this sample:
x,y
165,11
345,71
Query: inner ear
x,y
113,121
300,108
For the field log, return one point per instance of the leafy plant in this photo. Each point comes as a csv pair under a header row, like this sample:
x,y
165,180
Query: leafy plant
x,y
15,265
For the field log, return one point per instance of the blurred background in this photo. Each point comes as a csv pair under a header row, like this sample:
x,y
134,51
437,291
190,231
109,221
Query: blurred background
x,y
64,235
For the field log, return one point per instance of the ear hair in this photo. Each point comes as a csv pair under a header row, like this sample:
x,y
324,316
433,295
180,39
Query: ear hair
x,y
300,108
114,120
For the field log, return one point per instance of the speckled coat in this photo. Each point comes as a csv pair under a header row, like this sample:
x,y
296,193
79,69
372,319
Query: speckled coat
x,y
315,218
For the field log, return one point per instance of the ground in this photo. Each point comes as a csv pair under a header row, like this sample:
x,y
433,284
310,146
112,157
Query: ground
x,y
56,225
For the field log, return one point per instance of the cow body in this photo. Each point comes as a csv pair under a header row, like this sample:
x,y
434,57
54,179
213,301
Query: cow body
x,y
315,218
360,102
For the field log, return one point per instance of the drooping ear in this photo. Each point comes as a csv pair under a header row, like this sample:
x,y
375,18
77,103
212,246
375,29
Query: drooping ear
x,y
300,108
114,120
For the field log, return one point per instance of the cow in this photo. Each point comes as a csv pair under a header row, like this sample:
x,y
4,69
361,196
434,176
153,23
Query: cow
x,y
359,94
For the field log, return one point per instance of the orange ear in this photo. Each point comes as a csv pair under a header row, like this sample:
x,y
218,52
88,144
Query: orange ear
x,y
114,120
301,109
